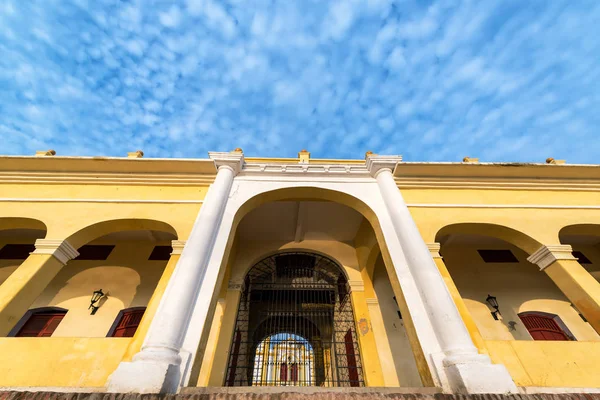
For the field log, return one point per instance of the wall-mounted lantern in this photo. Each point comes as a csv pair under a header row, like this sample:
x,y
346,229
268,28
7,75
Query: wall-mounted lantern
x,y
493,302
96,296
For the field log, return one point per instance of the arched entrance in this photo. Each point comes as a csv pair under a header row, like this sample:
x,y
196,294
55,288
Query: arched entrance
x,y
295,325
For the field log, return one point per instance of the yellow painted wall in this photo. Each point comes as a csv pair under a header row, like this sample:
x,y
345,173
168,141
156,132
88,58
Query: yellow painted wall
x,y
14,236
127,276
518,287
541,363
399,361
592,252
55,362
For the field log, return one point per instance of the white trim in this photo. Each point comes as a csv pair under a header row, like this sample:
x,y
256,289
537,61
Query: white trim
x,y
304,169
50,200
357,285
546,255
434,249
233,160
177,246
60,249
547,206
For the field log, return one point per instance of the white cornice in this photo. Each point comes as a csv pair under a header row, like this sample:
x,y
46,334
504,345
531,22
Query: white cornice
x,y
376,163
357,285
546,255
60,249
434,249
233,160
177,246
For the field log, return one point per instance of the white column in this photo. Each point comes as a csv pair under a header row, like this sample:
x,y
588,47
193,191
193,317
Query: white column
x,y
156,367
467,370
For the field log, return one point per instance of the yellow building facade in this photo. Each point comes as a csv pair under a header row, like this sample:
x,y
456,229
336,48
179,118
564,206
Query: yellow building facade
x,y
155,275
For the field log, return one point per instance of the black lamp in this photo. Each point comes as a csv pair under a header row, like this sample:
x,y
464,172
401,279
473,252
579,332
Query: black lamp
x,y
96,296
493,302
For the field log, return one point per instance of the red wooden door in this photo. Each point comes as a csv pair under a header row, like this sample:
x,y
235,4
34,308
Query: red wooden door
x,y
129,323
542,327
294,372
283,372
41,325
351,358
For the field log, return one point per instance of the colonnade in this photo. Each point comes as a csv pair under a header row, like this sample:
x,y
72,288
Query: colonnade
x,y
155,360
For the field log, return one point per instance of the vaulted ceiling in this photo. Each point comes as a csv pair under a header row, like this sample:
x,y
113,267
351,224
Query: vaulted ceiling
x,y
297,221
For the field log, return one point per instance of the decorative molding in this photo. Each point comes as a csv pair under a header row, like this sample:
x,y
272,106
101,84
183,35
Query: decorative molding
x,y
434,249
235,285
60,249
233,160
357,286
373,302
539,206
474,182
38,200
546,255
275,169
376,163
177,246
102,178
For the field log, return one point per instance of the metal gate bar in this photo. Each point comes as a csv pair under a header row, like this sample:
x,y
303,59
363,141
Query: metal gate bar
x,y
295,326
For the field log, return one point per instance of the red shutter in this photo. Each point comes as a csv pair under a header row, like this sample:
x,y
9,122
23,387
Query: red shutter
x,y
294,373
283,372
351,357
41,325
130,320
542,327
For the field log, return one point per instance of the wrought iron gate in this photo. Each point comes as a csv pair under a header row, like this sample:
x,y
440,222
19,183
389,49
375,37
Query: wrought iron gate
x,y
295,326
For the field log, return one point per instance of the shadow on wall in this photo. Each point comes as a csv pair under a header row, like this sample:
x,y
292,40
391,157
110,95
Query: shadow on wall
x,y
517,284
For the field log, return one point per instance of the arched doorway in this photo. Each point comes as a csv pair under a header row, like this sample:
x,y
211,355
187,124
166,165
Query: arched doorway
x,y
295,319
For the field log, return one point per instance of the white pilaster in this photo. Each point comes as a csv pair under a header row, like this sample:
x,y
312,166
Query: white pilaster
x,y
466,370
546,255
60,249
156,368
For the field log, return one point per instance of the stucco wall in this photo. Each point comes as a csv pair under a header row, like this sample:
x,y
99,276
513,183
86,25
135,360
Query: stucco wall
x,y
398,348
518,287
66,362
547,364
127,276
13,236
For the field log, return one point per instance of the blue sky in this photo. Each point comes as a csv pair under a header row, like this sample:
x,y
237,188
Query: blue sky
x,y
431,80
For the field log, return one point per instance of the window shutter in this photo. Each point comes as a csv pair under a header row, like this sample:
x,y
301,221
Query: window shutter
x,y
130,320
542,327
41,324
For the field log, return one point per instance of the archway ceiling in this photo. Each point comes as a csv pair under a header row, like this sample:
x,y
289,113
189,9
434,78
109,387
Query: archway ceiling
x,y
297,221
137,235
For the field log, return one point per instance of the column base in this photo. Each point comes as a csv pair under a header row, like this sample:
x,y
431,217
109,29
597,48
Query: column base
x,y
475,374
144,377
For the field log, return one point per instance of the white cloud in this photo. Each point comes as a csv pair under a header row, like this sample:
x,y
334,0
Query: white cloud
x,y
437,81
170,18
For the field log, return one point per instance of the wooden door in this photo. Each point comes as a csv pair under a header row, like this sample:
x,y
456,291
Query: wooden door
x,y
542,326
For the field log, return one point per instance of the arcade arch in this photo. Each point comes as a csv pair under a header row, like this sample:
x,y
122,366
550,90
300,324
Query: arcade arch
x,y
306,224
488,259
